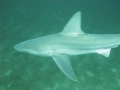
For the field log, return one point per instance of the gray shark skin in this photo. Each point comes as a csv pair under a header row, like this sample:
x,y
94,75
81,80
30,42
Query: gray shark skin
x,y
71,41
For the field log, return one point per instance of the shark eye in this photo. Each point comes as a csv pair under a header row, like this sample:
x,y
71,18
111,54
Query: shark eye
x,y
25,50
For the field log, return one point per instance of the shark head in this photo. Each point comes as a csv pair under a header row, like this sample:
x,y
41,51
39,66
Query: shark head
x,y
20,47
24,47
37,46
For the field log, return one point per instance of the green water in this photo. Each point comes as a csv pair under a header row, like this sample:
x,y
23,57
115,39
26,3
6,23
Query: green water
x,y
21,20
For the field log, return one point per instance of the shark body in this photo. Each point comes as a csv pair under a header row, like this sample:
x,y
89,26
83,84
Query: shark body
x,y
71,41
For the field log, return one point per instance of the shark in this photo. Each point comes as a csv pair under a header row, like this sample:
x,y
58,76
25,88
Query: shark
x,y
71,41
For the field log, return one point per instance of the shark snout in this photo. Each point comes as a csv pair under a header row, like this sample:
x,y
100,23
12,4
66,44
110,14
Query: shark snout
x,y
18,47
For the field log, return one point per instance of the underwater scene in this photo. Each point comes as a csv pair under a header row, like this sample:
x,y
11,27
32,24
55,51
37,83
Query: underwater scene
x,y
22,20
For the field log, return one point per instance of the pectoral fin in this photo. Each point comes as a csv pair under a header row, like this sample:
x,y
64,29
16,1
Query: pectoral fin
x,y
64,64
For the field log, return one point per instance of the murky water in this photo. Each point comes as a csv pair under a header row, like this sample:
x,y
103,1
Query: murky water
x,y
21,20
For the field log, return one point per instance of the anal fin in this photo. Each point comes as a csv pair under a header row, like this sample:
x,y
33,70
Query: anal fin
x,y
104,52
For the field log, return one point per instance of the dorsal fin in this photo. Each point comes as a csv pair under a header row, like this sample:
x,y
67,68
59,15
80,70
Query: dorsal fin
x,y
73,27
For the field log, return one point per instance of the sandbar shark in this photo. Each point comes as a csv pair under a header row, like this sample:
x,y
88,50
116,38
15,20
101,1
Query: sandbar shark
x,y
71,41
